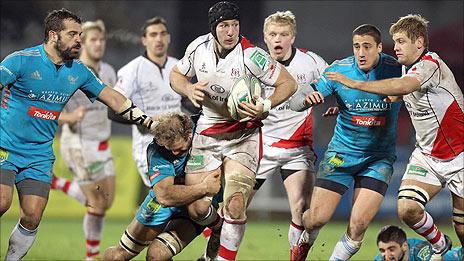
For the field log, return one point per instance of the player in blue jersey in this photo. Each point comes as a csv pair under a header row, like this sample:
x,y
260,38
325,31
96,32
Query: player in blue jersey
x,y
362,149
162,221
394,246
35,85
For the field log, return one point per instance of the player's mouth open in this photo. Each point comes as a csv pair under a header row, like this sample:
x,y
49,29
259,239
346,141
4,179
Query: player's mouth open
x,y
278,48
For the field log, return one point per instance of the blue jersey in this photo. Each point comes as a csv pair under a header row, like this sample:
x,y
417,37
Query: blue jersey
x,y
420,250
35,92
365,124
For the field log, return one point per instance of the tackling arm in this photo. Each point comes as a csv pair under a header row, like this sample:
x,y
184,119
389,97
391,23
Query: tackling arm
x,y
391,87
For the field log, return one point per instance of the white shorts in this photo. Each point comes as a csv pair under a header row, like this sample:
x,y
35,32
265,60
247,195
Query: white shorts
x,y
275,159
90,161
209,152
427,169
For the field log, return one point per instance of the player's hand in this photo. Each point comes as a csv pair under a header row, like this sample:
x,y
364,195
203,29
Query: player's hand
x,y
213,183
253,110
338,77
393,99
196,93
331,111
76,115
314,98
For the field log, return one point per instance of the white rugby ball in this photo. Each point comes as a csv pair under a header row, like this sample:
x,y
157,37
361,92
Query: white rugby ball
x,y
243,90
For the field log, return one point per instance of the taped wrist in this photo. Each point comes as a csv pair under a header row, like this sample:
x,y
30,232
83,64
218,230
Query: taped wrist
x,y
266,104
132,113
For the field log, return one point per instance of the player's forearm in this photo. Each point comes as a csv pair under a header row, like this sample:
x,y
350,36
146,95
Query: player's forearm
x,y
178,195
390,87
179,82
285,87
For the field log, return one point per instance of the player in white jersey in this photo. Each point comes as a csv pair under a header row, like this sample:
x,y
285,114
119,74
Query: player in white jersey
x,y
436,104
84,145
218,59
146,80
287,134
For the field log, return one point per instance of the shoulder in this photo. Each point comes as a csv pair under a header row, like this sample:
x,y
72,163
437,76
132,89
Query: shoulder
x,y
106,66
201,40
130,66
389,61
343,65
431,57
312,56
25,53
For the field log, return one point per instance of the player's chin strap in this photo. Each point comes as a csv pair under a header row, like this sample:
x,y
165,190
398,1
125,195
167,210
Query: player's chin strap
x,y
132,113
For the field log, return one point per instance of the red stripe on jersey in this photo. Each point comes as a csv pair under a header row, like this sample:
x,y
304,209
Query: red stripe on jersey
x,y
303,50
450,137
226,253
245,43
303,136
261,150
429,58
228,127
103,145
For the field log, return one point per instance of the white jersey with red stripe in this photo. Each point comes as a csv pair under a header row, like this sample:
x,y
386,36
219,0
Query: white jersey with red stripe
x,y
95,124
147,85
436,109
285,128
221,73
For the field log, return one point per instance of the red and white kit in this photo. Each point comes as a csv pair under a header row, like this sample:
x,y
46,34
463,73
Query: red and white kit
x,y
147,85
84,145
220,135
437,113
287,134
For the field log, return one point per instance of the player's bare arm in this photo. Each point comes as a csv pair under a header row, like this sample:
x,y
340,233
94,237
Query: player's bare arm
x,y
124,107
169,194
182,85
391,87
72,117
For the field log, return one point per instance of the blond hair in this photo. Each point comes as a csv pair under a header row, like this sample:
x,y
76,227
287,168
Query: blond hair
x,y
171,127
281,18
92,25
414,25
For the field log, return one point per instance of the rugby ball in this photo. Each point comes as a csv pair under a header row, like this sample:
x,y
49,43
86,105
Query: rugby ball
x,y
243,90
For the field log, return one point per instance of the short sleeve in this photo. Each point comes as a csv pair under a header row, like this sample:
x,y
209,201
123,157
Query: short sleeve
x,y
93,86
159,169
426,71
10,69
185,65
126,83
320,64
325,85
262,65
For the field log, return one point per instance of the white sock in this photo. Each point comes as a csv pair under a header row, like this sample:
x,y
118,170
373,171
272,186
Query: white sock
x,y
231,236
345,248
308,237
21,240
93,227
294,233
75,192
427,228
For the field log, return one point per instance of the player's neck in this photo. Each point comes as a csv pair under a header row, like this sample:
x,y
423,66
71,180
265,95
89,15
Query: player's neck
x,y
94,64
159,60
52,53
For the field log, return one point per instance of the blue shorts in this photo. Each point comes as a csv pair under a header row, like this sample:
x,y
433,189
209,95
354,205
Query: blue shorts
x,y
40,171
338,170
152,214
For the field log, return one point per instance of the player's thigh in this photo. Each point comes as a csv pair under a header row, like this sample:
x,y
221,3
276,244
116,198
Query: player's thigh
x,y
324,202
7,181
413,195
366,204
184,229
141,232
299,186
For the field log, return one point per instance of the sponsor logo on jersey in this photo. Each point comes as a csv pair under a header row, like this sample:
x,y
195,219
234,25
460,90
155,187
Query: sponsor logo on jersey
x,y
155,174
424,253
368,121
235,73
96,167
259,59
217,88
215,97
301,78
203,68
167,98
3,155
153,206
43,114
368,105
336,160
36,75
416,170
195,161
49,96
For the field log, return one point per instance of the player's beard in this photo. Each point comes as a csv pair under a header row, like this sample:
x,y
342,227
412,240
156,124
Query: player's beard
x,y
67,53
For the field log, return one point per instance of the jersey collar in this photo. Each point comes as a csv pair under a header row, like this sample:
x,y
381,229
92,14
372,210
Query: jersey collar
x,y
289,60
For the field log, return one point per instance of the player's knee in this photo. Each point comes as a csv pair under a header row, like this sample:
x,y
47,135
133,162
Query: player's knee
x,y
5,204
164,247
30,222
313,219
115,253
199,209
236,206
297,208
409,211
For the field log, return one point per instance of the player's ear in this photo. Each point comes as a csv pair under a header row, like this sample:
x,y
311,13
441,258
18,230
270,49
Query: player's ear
x,y
419,42
144,40
379,47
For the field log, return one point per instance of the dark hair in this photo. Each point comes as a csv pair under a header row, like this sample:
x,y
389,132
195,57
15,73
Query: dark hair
x,y
391,233
54,21
368,29
152,21
222,11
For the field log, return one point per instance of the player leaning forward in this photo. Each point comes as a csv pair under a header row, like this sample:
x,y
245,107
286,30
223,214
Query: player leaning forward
x,y
218,59
36,83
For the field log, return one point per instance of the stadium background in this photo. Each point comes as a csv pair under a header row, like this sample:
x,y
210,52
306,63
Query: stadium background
x,y
323,27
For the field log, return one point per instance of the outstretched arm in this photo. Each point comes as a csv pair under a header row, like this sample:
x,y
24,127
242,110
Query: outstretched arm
x,y
391,87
